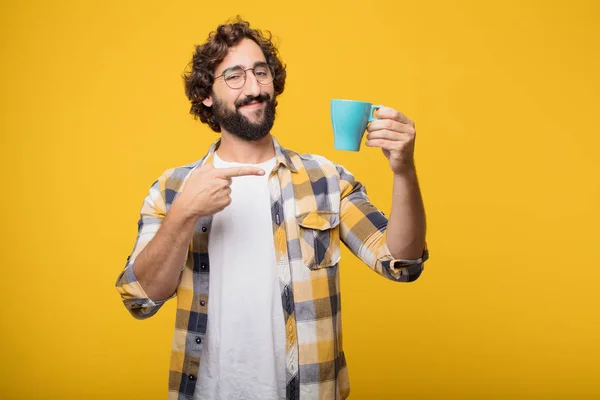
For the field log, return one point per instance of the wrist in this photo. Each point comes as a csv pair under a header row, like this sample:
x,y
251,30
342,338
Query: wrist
x,y
406,169
182,213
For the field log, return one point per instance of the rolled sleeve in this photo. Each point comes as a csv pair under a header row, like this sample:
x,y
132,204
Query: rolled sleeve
x,y
405,270
363,230
135,299
153,211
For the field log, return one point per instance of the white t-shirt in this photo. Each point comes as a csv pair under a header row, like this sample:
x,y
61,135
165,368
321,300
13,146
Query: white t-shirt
x,y
243,357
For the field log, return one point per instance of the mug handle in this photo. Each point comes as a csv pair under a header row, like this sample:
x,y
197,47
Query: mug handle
x,y
373,109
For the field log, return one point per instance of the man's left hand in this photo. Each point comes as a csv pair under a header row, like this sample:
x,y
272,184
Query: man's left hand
x,y
395,134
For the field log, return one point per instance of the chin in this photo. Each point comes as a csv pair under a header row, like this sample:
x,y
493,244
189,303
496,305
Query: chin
x,y
256,119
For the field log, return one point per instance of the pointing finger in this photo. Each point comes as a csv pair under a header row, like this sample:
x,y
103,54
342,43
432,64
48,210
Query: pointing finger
x,y
240,171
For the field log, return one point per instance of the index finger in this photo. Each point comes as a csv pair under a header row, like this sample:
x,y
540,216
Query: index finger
x,y
239,171
390,113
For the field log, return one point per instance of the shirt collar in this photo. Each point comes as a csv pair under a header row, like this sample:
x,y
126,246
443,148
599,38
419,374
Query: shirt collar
x,y
281,154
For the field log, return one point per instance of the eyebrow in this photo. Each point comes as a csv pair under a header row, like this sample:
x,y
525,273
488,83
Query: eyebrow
x,y
256,64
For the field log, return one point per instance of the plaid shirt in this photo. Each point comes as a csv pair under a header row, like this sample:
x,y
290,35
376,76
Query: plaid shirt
x,y
315,205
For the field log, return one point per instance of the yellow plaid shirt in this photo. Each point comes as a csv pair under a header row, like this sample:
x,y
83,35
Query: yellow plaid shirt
x,y
315,205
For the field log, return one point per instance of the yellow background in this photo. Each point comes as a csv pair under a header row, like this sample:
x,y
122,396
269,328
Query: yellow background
x,y
505,96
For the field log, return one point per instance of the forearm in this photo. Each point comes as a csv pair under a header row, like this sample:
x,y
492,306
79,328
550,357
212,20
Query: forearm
x,y
159,264
406,225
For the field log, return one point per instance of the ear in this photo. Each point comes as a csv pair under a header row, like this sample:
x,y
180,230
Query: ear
x,y
208,101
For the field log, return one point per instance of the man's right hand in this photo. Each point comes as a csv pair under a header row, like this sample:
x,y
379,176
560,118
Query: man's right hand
x,y
208,189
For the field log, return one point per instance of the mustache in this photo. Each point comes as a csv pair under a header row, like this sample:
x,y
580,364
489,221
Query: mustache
x,y
249,99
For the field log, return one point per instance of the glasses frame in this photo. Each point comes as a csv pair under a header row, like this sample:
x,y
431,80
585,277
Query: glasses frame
x,y
245,75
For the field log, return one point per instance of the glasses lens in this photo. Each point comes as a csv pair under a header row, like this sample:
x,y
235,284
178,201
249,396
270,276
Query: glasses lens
x,y
235,78
263,74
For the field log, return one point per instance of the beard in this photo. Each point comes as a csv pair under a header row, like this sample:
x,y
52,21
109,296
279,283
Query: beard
x,y
234,122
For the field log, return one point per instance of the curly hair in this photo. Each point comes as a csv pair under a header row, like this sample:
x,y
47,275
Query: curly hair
x,y
199,77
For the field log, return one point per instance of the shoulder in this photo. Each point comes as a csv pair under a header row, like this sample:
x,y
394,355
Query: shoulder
x,y
316,160
168,185
172,178
313,161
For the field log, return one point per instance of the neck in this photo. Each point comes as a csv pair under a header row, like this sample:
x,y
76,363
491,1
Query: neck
x,y
233,149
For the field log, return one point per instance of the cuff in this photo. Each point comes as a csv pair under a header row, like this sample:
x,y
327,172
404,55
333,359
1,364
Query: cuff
x,y
407,270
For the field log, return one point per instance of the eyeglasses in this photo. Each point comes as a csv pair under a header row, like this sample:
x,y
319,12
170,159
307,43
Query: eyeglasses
x,y
235,77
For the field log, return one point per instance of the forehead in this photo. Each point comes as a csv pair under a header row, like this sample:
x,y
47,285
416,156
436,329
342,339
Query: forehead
x,y
245,54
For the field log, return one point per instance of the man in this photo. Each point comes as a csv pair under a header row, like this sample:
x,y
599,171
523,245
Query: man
x,y
248,238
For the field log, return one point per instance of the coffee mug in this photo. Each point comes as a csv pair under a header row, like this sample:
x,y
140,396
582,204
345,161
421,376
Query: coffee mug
x,y
349,119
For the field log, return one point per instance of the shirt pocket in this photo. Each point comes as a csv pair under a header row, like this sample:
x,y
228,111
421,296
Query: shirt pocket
x,y
319,234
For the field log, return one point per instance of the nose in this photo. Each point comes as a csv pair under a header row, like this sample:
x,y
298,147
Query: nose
x,y
252,87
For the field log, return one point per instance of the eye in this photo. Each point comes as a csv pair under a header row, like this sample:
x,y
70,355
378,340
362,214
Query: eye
x,y
233,77
262,71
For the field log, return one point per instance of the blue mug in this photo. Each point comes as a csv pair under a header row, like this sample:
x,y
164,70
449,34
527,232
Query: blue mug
x,y
349,119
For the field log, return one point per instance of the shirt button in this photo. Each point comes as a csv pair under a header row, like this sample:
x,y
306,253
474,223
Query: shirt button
x,y
198,340
191,377
202,266
202,303
203,229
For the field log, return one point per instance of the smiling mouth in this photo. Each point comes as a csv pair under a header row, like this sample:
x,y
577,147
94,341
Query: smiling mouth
x,y
254,104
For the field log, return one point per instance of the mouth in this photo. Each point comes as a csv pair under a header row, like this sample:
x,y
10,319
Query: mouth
x,y
253,105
